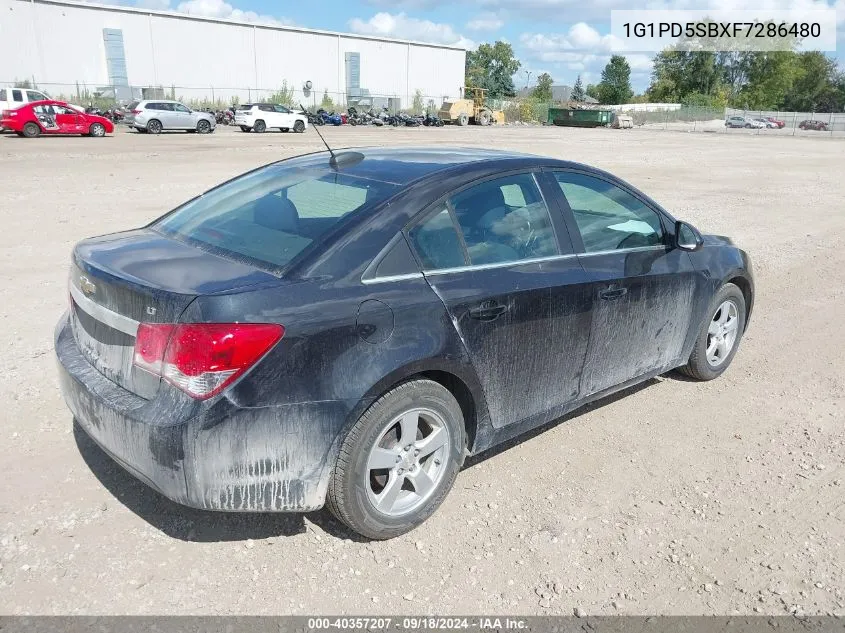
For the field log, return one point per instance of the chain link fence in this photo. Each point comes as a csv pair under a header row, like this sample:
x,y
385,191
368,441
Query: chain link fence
x,y
517,110
221,97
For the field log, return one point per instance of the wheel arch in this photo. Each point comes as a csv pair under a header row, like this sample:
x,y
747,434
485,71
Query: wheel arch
x,y
457,378
747,289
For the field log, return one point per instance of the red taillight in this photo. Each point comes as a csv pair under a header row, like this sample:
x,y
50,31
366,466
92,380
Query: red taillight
x,y
202,359
136,112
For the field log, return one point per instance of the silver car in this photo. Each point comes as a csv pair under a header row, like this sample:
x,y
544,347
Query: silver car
x,y
157,115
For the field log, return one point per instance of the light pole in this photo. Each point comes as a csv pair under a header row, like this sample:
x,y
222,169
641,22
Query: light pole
x,y
527,78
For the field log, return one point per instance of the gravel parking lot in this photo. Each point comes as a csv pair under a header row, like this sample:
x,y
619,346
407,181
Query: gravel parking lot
x,y
674,498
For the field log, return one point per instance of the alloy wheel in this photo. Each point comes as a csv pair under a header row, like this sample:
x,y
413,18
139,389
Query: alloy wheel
x,y
722,332
407,462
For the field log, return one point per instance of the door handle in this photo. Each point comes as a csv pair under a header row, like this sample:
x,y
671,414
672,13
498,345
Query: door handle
x,y
487,311
613,293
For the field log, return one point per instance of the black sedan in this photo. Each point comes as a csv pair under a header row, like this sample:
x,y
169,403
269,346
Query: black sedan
x,y
346,329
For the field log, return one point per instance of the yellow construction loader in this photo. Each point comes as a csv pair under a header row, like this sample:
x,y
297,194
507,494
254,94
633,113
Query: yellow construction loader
x,y
466,111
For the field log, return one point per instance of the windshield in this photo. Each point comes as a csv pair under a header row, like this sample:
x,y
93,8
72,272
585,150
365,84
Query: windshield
x,y
270,215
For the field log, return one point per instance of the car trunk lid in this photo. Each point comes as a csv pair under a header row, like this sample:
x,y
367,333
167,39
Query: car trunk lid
x,y
121,280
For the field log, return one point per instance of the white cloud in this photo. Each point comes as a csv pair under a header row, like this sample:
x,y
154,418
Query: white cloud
x,y
401,26
224,10
487,21
581,50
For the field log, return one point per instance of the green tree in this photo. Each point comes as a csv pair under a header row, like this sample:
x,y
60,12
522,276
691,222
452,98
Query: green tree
x,y
543,90
492,66
283,95
770,76
678,73
592,90
615,84
815,85
578,93
327,103
417,105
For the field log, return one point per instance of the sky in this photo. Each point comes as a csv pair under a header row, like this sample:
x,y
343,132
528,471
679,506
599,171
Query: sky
x,y
562,37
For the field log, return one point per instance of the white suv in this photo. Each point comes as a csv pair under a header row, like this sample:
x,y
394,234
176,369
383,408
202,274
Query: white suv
x,y
261,116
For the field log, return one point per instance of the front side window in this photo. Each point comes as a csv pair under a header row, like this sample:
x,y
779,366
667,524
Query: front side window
x,y
504,220
178,107
609,218
271,215
282,109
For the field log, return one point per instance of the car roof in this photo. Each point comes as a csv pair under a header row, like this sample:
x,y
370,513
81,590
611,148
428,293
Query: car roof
x,y
402,165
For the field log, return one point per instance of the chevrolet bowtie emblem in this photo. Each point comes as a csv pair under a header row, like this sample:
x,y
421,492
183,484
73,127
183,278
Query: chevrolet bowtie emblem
x,y
86,285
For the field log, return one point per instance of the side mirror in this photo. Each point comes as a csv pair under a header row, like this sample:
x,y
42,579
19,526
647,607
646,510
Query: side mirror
x,y
687,237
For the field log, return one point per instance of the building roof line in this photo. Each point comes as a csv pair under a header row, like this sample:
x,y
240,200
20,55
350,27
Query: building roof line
x,y
259,25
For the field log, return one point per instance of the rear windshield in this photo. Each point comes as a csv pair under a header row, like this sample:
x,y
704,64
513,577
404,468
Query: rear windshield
x,y
270,215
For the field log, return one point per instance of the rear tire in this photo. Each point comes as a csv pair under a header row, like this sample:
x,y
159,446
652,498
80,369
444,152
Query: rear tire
x,y
725,315
31,130
384,502
483,118
244,128
259,127
463,119
299,127
154,126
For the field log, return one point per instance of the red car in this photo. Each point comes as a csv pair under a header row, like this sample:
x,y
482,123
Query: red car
x,y
54,117
777,122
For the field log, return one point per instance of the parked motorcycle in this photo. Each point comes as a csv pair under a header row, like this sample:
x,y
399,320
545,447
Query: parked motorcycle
x,y
432,120
329,118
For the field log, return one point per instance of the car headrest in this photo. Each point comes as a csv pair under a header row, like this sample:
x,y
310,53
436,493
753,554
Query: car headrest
x,y
276,213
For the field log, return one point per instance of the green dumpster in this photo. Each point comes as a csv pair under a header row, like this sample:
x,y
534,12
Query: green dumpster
x,y
579,118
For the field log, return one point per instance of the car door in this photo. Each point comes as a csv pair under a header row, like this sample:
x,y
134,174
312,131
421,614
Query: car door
x,y
68,120
643,289
183,118
165,114
284,117
268,114
505,270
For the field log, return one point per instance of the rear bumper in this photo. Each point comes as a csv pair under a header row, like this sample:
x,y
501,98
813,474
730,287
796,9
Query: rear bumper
x,y
215,456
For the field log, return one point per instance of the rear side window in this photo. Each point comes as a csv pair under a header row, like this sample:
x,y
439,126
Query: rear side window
x,y
17,95
133,105
437,243
505,220
271,215
265,108
32,95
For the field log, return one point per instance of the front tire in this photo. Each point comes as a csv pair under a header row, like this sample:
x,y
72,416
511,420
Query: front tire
x,y
720,335
97,129
399,461
203,126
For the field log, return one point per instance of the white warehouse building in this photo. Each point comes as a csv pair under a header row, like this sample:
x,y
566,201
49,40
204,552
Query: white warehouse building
x,y
77,49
